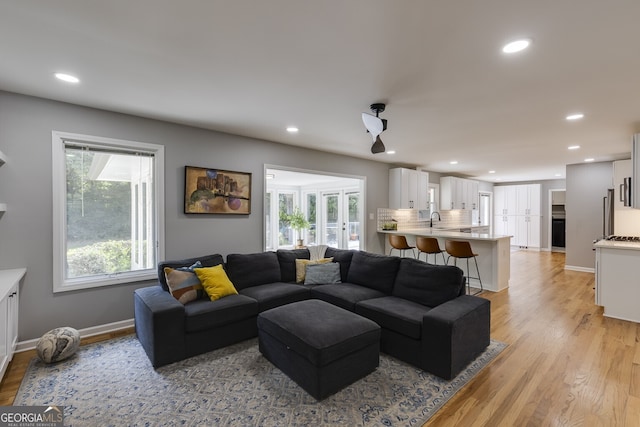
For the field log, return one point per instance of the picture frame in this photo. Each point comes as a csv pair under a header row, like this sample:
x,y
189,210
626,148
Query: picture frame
x,y
216,191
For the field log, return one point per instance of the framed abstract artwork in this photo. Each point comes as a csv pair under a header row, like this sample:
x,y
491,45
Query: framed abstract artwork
x,y
216,191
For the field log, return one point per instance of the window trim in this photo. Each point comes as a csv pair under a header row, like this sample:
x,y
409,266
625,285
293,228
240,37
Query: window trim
x,y
58,182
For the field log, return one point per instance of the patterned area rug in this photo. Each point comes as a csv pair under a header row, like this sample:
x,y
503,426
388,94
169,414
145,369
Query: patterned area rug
x,y
113,383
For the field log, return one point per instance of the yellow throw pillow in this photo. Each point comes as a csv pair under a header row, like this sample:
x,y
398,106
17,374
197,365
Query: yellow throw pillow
x,y
301,267
215,281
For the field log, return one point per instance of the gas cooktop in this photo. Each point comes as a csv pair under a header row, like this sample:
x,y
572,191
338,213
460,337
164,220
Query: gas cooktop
x,y
623,238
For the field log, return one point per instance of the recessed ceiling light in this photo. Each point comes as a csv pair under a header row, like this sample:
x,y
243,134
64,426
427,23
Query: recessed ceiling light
x,y
590,159
492,171
558,174
67,78
576,116
292,129
573,147
453,162
516,46
391,152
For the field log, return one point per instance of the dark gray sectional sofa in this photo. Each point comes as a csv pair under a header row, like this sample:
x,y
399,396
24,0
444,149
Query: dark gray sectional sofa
x,y
426,318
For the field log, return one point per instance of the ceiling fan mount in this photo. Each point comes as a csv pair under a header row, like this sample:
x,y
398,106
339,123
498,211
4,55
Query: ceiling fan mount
x,y
377,108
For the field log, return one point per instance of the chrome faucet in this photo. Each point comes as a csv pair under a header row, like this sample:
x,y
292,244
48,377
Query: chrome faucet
x,y
431,218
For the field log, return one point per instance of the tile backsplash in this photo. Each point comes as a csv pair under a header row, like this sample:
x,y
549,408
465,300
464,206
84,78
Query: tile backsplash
x,y
410,218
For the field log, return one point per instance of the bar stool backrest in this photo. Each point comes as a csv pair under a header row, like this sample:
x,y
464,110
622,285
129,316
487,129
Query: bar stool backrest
x,y
398,241
428,245
459,249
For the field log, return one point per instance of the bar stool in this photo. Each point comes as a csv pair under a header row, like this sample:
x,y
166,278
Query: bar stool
x,y
429,245
462,249
399,242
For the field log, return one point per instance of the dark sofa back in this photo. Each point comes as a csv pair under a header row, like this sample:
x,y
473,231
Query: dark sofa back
x,y
426,284
287,259
343,257
206,261
246,270
373,271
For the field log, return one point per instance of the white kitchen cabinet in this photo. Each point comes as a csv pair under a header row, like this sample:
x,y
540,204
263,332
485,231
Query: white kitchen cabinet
x,y
505,200
505,225
408,189
621,169
528,199
616,289
458,193
527,231
9,300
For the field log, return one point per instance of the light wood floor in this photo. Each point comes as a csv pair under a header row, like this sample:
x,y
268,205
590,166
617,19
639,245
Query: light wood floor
x,y
566,365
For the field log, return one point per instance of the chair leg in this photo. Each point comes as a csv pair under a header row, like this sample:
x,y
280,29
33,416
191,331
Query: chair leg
x,y
443,260
479,279
468,279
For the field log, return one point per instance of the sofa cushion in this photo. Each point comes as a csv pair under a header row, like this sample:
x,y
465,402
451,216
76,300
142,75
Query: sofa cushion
x,y
206,261
373,271
427,284
276,294
322,274
301,267
247,270
215,282
343,257
396,314
287,259
344,295
203,314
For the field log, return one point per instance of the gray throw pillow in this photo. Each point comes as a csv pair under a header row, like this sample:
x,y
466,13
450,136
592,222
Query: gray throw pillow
x,y
322,274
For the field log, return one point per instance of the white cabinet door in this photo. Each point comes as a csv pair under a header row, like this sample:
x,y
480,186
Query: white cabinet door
x,y
423,191
5,354
528,199
505,199
473,194
408,189
534,199
533,236
458,193
447,193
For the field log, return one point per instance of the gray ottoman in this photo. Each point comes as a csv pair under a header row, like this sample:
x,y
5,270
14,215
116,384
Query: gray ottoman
x,y
321,347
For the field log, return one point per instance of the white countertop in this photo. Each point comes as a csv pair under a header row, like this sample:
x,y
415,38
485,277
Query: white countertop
x,y
435,232
8,278
615,244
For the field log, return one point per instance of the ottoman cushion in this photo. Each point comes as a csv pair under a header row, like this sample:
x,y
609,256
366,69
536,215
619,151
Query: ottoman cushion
x,y
319,331
58,344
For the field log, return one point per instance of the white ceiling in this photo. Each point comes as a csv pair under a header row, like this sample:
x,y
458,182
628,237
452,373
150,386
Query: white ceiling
x,y
255,67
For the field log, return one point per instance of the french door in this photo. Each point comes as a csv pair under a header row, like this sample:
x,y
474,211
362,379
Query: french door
x,y
341,219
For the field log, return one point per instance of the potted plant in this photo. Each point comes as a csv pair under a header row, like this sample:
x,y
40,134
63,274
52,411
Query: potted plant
x,y
298,222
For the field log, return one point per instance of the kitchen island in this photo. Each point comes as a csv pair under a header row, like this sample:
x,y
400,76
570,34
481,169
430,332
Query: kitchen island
x,y
617,272
494,252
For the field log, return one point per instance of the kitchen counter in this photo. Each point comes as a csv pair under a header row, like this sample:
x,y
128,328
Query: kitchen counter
x,y
616,244
449,233
494,252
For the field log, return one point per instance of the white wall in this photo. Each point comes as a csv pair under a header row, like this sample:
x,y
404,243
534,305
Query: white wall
x,y
25,185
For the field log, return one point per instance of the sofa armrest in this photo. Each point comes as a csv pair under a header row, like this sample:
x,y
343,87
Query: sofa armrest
x,y
160,325
455,333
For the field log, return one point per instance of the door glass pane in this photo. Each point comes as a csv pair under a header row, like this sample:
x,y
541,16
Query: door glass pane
x,y
285,203
311,238
331,221
353,226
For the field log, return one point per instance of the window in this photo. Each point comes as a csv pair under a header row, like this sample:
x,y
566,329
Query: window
x,y
107,211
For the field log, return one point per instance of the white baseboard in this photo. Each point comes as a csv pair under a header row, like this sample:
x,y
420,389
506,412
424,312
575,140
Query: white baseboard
x,y
582,269
87,332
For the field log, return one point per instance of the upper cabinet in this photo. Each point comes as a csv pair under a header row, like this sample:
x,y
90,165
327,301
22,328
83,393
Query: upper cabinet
x,y
3,159
458,193
408,189
528,199
504,200
635,180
